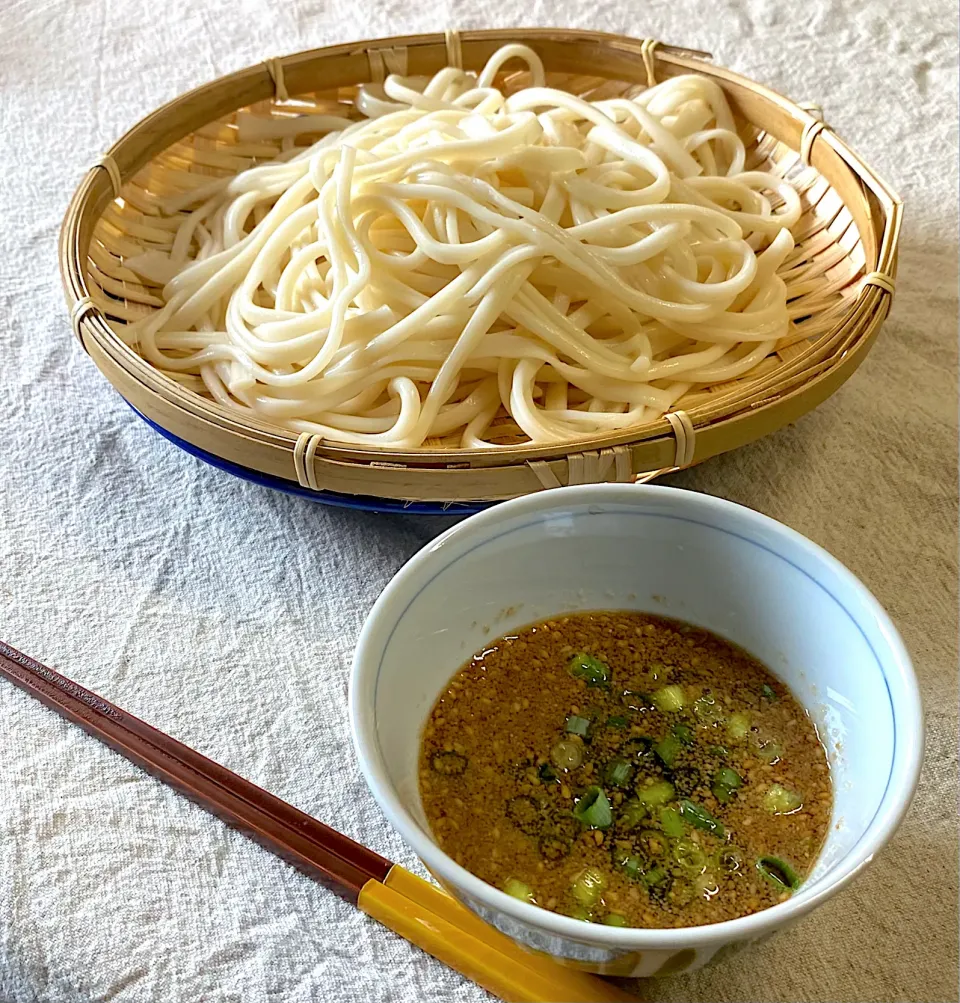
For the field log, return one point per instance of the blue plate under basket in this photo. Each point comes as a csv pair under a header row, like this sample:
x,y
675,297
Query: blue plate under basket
x,y
363,502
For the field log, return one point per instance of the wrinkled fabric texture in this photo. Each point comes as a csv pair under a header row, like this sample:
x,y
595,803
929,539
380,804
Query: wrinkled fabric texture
x,y
226,614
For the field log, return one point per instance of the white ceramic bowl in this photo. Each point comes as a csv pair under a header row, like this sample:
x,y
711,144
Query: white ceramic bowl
x,y
662,550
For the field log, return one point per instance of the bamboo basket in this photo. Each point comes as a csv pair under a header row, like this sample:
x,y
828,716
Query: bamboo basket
x,y
840,278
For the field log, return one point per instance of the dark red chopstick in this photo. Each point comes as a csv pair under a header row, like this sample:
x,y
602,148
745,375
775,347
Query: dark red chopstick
x,y
335,860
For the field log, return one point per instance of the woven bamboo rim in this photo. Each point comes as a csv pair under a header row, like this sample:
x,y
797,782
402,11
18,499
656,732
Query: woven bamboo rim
x,y
840,277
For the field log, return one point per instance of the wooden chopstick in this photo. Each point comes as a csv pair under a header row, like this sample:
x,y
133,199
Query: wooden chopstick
x,y
384,890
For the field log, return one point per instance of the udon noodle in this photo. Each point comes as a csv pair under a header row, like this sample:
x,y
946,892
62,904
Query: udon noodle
x,y
460,262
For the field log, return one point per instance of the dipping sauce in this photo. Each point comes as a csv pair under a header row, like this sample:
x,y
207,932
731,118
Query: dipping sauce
x,y
626,769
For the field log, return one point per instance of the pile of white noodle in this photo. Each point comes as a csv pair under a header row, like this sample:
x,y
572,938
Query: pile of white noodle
x,y
464,264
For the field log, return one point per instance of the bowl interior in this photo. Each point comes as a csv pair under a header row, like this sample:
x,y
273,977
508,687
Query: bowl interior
x,y
660,550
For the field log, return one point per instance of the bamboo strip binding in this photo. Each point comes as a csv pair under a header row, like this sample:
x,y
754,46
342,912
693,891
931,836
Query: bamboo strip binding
x,y
841,276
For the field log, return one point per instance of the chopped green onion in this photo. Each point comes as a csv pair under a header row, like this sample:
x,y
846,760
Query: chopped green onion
x,y
698,816
669,699
768,692
658,882
770,752
632,867
653,842
708,711
728,777
729,859
591,670
654,875
777,871
450,764
738,725
720,751
779,801
689,856
725,782
615,919
588,886
617,721
578,912
519,890
576,725
683,732
629,863
618,773
593,809
656,794
567,755
667,749
671,823
548,774
631,813
525,814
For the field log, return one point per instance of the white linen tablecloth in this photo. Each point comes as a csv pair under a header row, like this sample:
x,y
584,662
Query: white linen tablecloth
x,y
226,614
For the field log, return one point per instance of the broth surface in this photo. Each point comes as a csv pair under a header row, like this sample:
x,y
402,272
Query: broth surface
x,y
628,769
